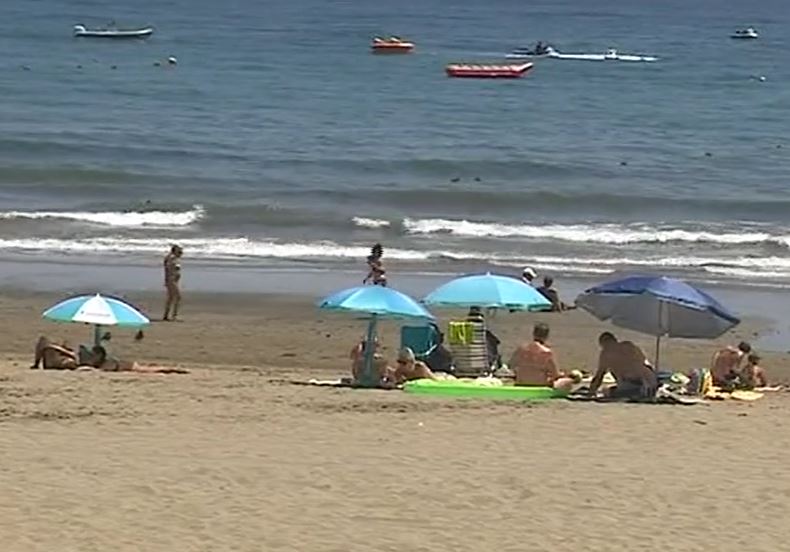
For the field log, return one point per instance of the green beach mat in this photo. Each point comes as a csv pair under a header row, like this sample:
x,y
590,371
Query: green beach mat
x,y
473,389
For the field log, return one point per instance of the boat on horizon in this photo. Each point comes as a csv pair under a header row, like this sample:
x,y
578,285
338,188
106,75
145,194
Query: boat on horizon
x,y
488,70
391,45
749,33
82,31
610,55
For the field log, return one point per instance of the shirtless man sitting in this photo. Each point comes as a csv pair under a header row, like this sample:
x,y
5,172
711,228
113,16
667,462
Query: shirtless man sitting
x,y
753,375
629,367
52,356
534,364
725,366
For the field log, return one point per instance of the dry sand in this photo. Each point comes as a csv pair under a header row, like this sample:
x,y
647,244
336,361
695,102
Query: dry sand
x,y
231,457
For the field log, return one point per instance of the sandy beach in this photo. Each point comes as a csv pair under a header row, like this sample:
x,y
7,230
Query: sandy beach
x,y
233,457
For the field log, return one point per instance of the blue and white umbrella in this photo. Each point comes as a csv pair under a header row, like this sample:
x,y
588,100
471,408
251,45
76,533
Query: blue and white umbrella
x,y
98,310
374,302
658,306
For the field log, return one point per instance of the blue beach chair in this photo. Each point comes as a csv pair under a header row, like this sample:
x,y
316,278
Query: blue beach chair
x,y
420,339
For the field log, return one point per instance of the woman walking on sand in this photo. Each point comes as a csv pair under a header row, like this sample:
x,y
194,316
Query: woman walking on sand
x,y
172,265
376,273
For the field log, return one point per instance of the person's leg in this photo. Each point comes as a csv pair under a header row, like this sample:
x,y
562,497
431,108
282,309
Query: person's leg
x,y
564,384
41,346
168,301
176,300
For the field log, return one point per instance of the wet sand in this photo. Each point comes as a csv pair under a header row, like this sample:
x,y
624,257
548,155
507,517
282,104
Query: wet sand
x,y
232,457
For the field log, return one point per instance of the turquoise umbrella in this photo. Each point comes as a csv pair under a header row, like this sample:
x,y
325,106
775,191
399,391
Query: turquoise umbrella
x,y
487,291
98,310
375,302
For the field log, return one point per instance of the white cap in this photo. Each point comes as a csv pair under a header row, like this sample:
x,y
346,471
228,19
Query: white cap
x,y
529,271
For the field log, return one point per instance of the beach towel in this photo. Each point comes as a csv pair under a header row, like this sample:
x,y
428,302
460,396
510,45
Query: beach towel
x,y
461,333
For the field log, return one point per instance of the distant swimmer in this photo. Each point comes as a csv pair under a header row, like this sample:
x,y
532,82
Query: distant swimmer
x,y
172,60
456,179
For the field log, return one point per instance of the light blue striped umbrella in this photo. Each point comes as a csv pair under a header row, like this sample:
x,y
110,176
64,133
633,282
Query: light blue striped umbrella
x,y
98,310
374,302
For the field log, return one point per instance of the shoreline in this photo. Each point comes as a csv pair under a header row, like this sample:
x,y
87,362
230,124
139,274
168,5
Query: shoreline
x,y
131,276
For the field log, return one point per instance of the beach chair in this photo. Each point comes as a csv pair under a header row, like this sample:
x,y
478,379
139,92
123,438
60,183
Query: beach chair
x,y
422,340
467,340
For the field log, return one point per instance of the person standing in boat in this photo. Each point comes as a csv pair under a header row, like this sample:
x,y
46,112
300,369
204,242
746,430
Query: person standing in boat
x,y
172,266
376,273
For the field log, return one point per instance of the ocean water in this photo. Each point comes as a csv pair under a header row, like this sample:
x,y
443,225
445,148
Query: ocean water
x,y
278,139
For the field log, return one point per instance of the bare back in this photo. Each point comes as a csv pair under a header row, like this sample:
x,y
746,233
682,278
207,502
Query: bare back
x,y
534,364
725,365
626,362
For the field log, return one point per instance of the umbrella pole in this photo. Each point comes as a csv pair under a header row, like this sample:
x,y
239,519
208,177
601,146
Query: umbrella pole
x,y
96,335
369,378
658,351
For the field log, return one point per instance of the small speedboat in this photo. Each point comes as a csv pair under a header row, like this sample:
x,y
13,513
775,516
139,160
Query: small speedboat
x,y
111,32
391,45
488,71
748,33
539,50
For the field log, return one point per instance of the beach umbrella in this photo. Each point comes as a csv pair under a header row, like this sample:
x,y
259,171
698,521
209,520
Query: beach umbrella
x,y
487,291
375,303
658,306
99,310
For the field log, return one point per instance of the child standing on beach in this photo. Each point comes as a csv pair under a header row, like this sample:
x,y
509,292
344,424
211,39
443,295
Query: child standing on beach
x,y
376,273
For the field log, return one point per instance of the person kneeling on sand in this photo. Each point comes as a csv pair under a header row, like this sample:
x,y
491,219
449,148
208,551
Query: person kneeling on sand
x,y
51,356
725,367
409,368
102,361
534,364
628,365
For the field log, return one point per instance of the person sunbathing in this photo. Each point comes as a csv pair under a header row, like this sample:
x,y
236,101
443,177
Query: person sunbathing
x,y
628,365
102,361
752,375
726,364
534,364
51,356
409,368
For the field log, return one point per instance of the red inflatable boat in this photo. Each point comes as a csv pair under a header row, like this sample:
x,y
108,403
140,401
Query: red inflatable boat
x,y
488,71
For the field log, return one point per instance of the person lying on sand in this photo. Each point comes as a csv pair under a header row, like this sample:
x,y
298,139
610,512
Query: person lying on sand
x,y
51,356
534,364
629,367
409,368
105,363
726,364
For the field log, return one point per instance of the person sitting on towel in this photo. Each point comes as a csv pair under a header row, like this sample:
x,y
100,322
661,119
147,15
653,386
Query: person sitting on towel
x,y
628,365
358,361
753,375
51,356
534,364
102,361
409,368
726,364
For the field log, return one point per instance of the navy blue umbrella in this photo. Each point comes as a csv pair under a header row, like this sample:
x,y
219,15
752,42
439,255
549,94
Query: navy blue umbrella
x,y
658,306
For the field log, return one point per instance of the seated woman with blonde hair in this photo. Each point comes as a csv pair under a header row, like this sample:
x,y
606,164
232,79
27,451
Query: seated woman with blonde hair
x,y
409,368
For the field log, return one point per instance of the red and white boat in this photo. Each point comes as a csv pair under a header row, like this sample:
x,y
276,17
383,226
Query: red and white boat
x,y
391,45
488,71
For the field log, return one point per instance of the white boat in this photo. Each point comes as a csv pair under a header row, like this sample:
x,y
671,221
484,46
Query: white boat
x,y
610,55
748,33
83,31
